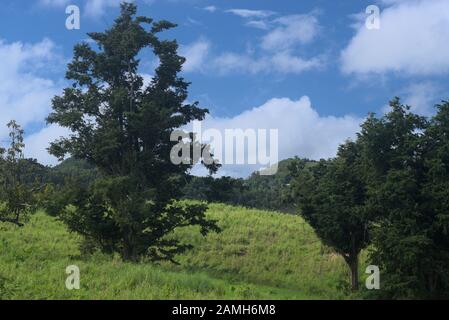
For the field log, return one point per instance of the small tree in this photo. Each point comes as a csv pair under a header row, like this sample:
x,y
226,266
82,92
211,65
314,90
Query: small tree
x,y
15,194
332,198
123,127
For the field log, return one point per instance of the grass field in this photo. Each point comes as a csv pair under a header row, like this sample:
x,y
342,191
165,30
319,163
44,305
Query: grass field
x,y
259,255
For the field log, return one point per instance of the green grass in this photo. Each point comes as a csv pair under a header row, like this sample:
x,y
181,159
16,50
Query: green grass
x,y
259,255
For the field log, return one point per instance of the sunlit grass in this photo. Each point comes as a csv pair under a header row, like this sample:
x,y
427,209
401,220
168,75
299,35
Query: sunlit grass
x,y
259,255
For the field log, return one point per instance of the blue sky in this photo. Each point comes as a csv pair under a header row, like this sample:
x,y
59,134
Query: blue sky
x,y
310,68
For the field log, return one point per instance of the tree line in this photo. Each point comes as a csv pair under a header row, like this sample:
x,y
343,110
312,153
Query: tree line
x,y
388,191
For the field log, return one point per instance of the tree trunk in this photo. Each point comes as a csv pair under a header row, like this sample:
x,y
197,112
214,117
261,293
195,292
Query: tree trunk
x,y
128,254
128,251
355,273
353,263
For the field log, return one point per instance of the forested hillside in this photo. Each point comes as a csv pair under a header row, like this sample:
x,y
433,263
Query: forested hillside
x,y
271,192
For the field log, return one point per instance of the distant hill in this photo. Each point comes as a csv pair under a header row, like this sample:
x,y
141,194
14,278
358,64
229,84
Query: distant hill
x,y
71,168
269,192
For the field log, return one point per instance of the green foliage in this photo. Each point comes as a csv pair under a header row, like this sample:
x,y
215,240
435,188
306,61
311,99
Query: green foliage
x,y
272,192
407,165
72,171
332,199
58,184
223,189
16,195
123,127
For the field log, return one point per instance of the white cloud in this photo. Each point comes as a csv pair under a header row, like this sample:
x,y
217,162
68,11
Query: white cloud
x,y
291,30
210,8
259,24
229,62
195,54
412,39
283,62
25,95
302,131
98,7
421,97
36,144
147,79
246,13
279,48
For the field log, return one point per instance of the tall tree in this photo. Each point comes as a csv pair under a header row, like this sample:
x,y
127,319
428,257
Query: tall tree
x,y
15,194
332,198
123,127
407,159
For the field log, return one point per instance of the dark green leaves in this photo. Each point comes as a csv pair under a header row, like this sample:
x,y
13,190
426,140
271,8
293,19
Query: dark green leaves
x,y
123,128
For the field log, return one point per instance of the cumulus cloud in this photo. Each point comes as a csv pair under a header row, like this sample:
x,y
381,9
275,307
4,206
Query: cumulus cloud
x,y
412,39
302,131
25,94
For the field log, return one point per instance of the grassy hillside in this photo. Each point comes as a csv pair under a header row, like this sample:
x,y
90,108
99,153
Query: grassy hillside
x,y
259,255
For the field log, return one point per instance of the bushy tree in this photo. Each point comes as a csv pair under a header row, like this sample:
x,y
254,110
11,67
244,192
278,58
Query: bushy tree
x,y
123,127
15,194
331,196
407,161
